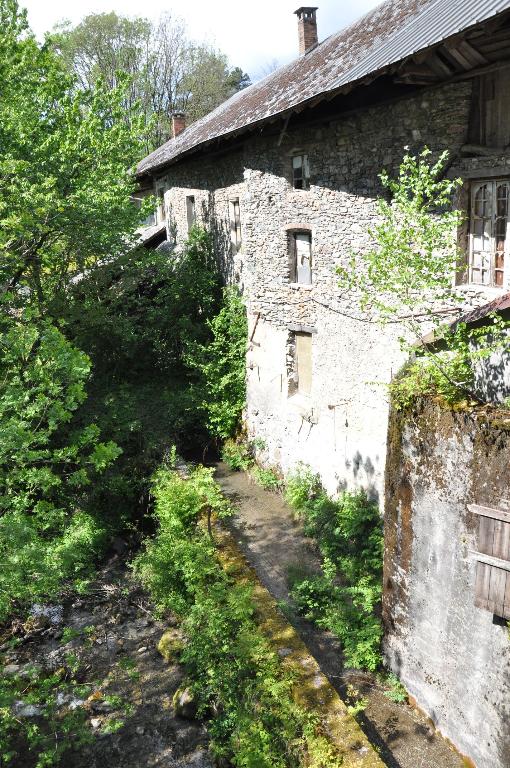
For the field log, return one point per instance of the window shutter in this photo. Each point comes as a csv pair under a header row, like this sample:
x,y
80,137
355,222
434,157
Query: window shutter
x,y
292,258
492,586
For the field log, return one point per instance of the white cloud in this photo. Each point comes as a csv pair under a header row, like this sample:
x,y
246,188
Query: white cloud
x,y
252,35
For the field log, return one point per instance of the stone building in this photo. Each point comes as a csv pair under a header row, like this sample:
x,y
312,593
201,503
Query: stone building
x,y
285,174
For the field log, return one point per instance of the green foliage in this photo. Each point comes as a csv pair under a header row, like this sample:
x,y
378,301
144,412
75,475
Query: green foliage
x,y
346,597
267,478
234,674
54,727
135,316
408,280
448,369
237,454
45,463
222,365
64,185
395,690
416,251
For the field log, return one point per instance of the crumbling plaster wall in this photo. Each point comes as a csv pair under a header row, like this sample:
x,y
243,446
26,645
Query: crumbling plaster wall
x,y
340,430
448,653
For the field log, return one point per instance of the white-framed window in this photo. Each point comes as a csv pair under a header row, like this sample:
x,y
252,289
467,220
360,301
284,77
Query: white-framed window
x,y
235,225
190,211
489,232
300,172
300,244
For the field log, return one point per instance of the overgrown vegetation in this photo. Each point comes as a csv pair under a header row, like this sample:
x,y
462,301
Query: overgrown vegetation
x,y
407,280
103,347
267,478
221,363
345,598
235,677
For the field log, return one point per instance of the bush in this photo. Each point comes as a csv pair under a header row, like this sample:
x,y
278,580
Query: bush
x,y
235,676
237,454
346,598
53,729
267,478
222,366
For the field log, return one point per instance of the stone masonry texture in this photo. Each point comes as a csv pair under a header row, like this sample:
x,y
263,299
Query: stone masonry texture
x,y
340,429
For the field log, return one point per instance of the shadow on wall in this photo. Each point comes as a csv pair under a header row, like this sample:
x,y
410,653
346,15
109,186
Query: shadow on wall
x,y
219,229
362,469
492,377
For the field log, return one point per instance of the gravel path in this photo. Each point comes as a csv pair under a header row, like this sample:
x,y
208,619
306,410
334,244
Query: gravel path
x,y
272,542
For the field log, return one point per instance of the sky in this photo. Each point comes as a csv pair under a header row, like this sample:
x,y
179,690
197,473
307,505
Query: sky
x,y
253,35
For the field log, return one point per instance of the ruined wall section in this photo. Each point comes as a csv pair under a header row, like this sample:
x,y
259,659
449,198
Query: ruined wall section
x,y
450,655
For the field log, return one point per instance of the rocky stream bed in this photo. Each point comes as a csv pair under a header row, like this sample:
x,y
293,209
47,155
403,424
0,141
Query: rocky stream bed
x,y
123,685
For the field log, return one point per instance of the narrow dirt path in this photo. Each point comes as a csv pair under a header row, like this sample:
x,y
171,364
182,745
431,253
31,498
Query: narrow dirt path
x,y
111,637
273,542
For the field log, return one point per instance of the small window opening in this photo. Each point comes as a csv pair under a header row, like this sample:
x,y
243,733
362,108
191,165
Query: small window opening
x,y
160,211
489,232
300,172
301,258
301,381
235,225
150,219
190,212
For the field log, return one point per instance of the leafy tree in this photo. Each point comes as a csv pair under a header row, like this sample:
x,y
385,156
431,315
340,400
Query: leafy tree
x,y
45,462
407,280
166,70
65,190
64,179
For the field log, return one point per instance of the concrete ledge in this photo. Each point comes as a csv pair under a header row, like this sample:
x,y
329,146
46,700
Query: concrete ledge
x,y
311,689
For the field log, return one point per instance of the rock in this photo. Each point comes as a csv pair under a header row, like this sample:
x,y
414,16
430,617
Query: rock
x,y
36,623
11,669
26,710
171,645
184,703
66,699
95,722
143,649
53,613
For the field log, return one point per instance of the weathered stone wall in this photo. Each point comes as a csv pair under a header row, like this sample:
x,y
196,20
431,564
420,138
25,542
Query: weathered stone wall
x,y
340,429
449,654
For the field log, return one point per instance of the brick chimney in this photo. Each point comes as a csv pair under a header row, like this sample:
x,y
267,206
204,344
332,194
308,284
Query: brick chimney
x,y
178,123
307,29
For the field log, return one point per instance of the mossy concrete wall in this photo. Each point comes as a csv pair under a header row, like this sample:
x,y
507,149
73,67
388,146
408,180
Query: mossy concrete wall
x,y
453,657
311,689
